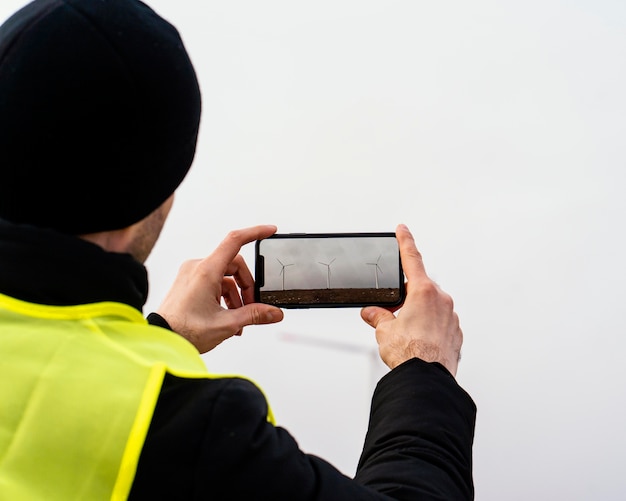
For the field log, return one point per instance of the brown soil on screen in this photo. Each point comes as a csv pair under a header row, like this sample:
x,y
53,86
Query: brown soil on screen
x,y
331,296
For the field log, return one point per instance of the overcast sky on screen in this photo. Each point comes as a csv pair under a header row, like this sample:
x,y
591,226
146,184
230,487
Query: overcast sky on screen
x,y
495,130
361,262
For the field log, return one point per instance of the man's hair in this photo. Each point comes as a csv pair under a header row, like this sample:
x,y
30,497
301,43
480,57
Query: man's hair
x,y
99,114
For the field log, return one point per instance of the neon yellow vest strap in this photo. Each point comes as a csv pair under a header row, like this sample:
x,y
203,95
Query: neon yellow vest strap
x,y
77,395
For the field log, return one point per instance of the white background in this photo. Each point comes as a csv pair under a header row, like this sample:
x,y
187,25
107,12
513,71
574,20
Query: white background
x,y
495,130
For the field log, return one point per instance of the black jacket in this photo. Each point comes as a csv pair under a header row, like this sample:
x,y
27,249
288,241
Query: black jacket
x,y
210,439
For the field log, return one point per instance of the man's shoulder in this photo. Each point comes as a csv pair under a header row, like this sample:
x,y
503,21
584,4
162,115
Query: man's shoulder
x,y
200,398
191,418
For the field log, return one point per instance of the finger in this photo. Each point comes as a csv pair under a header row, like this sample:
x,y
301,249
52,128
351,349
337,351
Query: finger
x,y
231,245
243,276
373,315
256,314
412,262
230,293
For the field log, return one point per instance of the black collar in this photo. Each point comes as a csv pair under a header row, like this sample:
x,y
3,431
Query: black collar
x,y
47,267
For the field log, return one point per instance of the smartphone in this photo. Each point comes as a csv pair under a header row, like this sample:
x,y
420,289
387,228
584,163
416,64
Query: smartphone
x,y
327,270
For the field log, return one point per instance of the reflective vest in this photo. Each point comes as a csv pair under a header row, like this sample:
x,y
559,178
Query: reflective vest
x,y
78,387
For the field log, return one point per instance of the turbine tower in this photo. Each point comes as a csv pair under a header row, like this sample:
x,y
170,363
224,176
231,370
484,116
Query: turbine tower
x,y
282,270
376,367
328,274
376,269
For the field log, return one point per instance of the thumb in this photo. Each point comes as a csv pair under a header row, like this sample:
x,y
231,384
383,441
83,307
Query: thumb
x,y
250,314
373,315
258,314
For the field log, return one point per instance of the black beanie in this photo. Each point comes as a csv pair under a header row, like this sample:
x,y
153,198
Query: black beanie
x,y
99,114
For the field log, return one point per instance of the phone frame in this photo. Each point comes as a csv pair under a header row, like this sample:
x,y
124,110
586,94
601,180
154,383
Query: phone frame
x,y
322,300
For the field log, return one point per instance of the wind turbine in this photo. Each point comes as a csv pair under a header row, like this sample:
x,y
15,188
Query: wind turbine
x,y
376,269
282,270
328,268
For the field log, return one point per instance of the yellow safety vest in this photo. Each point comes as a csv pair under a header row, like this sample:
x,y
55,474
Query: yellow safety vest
x,y
78,387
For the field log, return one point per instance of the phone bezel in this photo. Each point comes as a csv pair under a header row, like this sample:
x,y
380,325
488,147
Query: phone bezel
x,y
260,270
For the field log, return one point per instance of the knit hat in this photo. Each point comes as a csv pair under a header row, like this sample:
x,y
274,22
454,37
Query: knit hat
x,y
99,114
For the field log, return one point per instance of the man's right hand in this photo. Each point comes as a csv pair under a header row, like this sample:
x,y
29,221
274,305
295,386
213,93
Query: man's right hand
x,y
193,306
426,326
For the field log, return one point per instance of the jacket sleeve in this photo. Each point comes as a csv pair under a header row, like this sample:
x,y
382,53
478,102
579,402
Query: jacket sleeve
x,y
249,458
418,445
210,439
420,435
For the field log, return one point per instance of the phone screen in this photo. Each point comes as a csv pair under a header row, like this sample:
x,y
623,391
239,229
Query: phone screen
x,y
329,270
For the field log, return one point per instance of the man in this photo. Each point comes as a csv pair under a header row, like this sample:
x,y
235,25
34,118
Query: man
x,y
99,114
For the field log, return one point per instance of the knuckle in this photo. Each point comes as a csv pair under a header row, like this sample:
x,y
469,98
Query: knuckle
x,y
233,235
429,289
255,316
413,253
431,292
188,264
447,300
